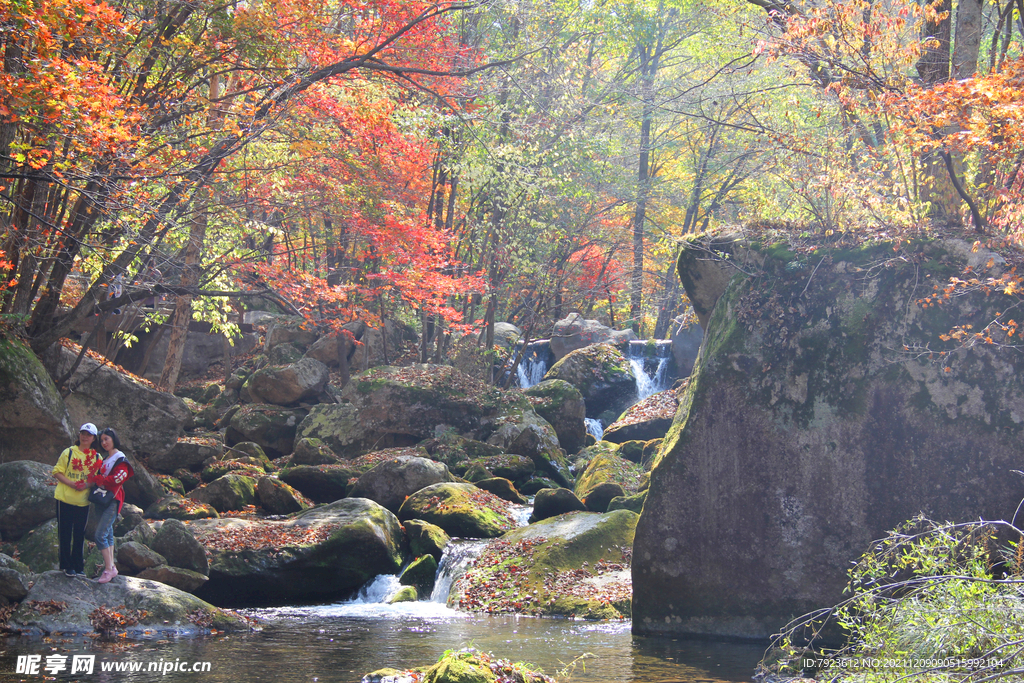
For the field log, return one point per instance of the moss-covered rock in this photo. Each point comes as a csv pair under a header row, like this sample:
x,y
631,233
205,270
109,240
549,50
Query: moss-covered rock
x,y
516,468
502,488
219,468
552,502
34,421
577,564
404,594
278,498
319,554
460,509
603,376
634,503
174,506
562,405
607,468
313,452
420,573
825,408
270,426
38,547
161,608
230,492
425,538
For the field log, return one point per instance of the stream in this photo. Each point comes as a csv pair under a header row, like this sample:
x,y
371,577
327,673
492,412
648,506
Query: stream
x,y
344,641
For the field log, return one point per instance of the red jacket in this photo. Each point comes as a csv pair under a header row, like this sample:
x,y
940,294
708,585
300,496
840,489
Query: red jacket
x,y
113,482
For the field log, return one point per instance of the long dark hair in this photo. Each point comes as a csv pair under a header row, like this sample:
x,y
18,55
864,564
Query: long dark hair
x,y
109,431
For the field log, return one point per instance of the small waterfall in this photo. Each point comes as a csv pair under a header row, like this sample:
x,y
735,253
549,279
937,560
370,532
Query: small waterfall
x,y
377,590
650,364
535,363
594,427
455,560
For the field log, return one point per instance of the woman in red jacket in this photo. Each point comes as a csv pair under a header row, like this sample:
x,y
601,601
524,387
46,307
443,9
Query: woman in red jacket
x,y
111,475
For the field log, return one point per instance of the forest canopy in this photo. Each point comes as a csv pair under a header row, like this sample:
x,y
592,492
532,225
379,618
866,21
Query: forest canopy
x,y
452,164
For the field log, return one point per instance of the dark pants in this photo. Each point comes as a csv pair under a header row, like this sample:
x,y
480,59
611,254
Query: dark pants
x,y
71,521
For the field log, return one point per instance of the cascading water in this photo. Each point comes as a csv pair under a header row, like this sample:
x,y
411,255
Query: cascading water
x,y
650,364
458,555
594,427
535,363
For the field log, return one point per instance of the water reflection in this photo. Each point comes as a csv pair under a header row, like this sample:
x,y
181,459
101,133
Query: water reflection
x,y
342,642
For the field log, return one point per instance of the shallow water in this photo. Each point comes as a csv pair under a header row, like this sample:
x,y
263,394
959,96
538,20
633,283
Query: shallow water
x,y
341,642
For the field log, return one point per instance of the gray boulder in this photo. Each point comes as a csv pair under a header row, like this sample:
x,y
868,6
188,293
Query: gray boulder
x,y
562,405
148,421
189,452
34,420
575,332
14,585
313,452
168,611
176,542
322,483
814,422
26,497
686,341
288,384
182,579
392,481
270,426
289,330
319,554
133,557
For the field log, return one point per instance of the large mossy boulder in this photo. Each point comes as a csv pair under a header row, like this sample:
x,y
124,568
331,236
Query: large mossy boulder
x,y
392,481
270,426
827,406
147,607
26,497
319,554
286,385
460,509
576,564
607,476
34,420
602,375
562,406
149,422
551,502
230,492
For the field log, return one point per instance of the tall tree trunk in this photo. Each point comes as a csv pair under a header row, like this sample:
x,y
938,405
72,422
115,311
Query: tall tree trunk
x,y
182,315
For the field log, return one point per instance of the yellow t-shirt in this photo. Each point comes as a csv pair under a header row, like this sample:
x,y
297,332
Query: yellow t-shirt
x,y
75,465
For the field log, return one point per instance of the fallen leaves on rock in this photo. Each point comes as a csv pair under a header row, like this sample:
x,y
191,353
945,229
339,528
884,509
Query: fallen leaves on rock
x,y
106,620
262,536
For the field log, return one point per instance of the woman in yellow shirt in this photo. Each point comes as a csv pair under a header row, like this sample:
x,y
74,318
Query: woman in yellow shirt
x,y
73,467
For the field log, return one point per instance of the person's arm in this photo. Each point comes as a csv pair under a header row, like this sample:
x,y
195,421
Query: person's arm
x,y
112,480
63,478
